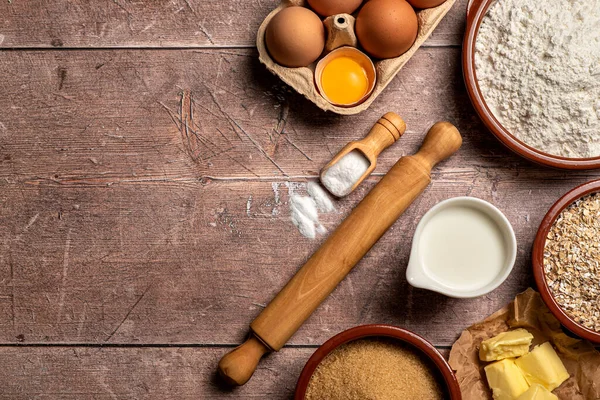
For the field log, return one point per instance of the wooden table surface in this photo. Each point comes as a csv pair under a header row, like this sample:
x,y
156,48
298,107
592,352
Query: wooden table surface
x,y
134,254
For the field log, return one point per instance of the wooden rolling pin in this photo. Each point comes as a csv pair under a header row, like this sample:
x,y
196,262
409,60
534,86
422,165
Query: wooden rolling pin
x,y
344,248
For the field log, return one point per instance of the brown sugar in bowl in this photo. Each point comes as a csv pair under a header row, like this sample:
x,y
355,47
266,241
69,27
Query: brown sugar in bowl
x,y
538,259
476,10
450,384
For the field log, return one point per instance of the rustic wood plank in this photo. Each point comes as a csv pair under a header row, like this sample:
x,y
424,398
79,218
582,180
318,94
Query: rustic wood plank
x,y
102,117
116,221
81,373
175,23
194,262
120,224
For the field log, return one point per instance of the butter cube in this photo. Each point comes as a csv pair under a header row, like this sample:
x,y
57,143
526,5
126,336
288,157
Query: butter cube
x,y
537,392
543,366
506,380
506,345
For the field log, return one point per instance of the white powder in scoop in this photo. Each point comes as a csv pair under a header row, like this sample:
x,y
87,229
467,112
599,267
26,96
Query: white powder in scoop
x,y
304,210
340,178
538,67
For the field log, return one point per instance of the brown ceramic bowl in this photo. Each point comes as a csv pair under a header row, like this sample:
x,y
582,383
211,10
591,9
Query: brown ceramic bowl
x,y
373,331
476,11
538,259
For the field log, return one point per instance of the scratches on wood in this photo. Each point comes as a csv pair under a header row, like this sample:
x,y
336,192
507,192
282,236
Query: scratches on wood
x,y
186,121
205,32
200,23
195,142
128,313
235,124
282,122
122,7
62,75
12,295
237,261
63,281
259,147
31,221
200,206
140,373
82,320
151,145
215,23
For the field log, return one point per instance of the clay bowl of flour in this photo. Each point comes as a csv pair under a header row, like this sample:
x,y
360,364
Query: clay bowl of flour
x,y
533,75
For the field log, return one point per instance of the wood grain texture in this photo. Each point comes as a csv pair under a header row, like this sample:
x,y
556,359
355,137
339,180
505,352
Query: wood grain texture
x,y
74,373
196,262
105,117
143,198
119,220
154,23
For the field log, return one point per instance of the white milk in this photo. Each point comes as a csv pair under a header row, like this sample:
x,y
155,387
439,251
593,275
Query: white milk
x,y
462,248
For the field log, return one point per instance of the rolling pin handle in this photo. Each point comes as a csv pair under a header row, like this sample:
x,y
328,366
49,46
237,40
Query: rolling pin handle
x,y
442,140
237,366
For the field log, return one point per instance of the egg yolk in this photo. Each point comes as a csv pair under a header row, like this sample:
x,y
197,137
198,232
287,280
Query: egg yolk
x,y
344,81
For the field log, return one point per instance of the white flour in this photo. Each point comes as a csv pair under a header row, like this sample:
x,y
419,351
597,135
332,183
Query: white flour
x,y
538,66
304,210
340,178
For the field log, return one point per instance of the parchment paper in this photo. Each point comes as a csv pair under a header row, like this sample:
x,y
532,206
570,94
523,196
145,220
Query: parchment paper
x,y
527,311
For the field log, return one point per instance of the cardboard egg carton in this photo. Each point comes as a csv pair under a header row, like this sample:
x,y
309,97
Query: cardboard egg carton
x,y
303,79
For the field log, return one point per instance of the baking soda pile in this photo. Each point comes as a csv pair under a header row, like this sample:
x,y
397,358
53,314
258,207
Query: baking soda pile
x,y
340,178
538,67
304,210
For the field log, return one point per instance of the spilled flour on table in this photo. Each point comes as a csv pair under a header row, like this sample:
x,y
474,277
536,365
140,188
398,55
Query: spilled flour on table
x,y
320,196
304,210
275,211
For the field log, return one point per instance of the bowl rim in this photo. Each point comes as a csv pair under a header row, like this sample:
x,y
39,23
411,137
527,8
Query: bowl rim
x,y
537,259
475,13
378,330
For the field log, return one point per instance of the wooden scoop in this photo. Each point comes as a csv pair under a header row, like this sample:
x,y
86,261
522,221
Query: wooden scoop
x,y
344,248
384,133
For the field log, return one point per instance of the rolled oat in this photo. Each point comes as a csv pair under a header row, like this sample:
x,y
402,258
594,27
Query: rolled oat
x,y
572,261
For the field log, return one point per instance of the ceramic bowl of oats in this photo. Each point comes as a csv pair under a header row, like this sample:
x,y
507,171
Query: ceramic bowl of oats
x,y
566,260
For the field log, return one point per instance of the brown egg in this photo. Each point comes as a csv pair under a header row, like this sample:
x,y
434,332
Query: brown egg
x,y
332,7
386,28
295,37
425,3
